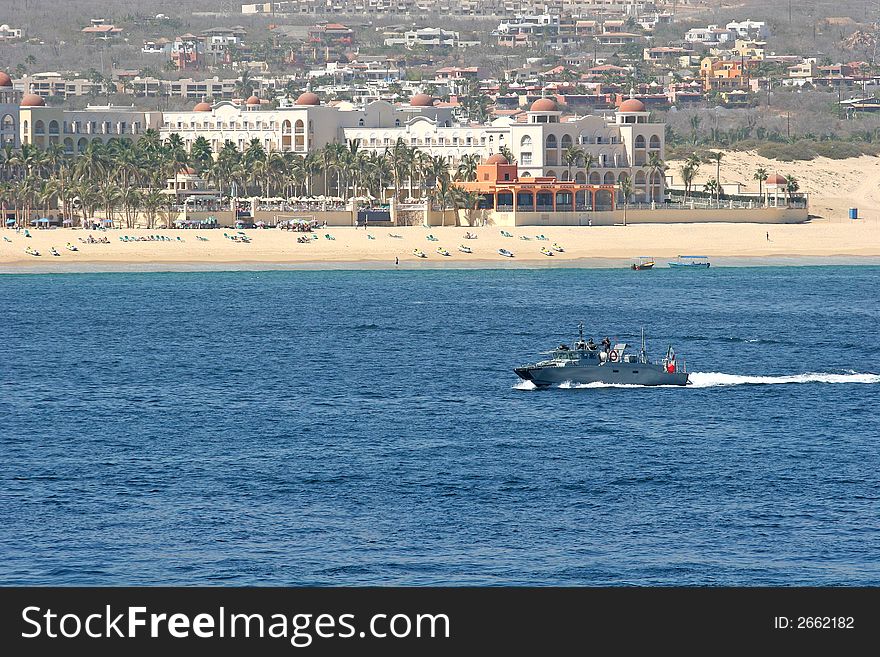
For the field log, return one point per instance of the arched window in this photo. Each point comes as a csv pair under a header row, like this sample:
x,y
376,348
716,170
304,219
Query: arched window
x,y
623,176
595,178
285,127
39,128
8,123
396,123
581,177
68,145
566,141
551,141
53,127
360,123
551,174
640,178
655,141
609,178
640,141
525,141
81,144
565,176
299,127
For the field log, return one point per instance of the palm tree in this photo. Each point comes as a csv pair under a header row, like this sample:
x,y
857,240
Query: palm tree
x,y
110,194
151,202
655,166
201,154
506,152
717,155
791,187
711,186
761,175
176,157
689,172
464,200
572,155
626,190
467,167
244,86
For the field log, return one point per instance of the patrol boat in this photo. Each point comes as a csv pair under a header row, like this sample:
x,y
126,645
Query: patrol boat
x,y
587,362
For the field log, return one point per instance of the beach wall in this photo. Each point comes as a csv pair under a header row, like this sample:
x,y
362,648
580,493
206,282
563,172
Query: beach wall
x,y
658,216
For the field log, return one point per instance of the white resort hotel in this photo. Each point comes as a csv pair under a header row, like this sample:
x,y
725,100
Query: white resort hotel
x,y
619,145
614,146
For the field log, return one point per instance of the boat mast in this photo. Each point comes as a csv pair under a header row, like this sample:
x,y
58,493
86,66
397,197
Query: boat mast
x,y
643,357
581,330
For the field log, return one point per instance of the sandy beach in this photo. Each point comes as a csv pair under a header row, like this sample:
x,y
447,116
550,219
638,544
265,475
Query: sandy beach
x,y
583,246
833,185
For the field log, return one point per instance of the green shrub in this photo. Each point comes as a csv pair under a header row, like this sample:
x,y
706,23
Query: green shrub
x,y
839,150
800,150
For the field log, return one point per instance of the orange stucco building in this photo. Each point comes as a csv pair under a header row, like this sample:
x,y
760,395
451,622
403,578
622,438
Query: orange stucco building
x,y
502,190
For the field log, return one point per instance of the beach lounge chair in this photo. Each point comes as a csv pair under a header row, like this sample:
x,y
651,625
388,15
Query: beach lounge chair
x,y
6,239
27,233
431,238
370,237
329,236
504,233
540,237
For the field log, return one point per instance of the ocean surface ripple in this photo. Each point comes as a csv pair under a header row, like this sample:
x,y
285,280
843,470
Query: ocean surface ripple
x,y
365,427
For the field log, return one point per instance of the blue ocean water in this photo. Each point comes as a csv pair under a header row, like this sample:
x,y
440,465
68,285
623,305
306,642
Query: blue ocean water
x,y
365,427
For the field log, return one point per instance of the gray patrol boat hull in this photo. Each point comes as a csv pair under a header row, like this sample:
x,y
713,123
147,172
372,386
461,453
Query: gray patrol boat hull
x,y
544,376
586,363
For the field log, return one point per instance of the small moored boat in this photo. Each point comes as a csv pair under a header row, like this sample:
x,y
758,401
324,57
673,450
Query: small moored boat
x,y
642,263
691,261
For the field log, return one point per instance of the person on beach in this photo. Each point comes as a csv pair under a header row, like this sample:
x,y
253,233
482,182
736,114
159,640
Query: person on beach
x,y
768,235
396,260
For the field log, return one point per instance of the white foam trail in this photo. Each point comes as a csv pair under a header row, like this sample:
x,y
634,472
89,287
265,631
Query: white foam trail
x,y
719,379
714,379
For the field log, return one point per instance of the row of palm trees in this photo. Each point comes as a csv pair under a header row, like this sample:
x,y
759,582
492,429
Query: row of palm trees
x,y
126,180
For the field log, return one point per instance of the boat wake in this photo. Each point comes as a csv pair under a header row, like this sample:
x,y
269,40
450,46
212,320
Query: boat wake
x,y
716,379
720,380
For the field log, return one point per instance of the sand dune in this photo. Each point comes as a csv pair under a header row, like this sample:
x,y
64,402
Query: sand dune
x,y
834,186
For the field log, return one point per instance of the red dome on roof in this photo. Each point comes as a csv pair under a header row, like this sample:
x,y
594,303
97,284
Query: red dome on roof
x,y
421,100
631,105
776,179
32,100
544,105
202,107
188,171
498,158
5,80
253,100
308,98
